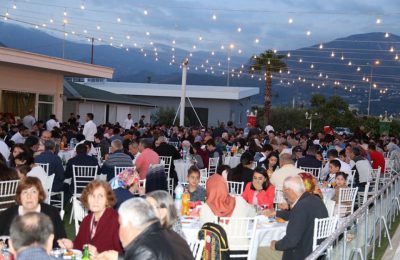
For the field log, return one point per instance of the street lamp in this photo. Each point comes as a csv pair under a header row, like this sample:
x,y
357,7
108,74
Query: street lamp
x,y
310,117
377,62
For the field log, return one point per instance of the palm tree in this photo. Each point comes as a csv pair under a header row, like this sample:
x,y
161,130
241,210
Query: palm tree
x,y
267,63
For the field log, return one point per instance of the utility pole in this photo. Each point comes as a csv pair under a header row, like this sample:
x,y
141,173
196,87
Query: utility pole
x,y
92,52
183,96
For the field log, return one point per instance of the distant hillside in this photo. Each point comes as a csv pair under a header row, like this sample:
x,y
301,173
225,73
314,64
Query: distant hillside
x,y
2,45
132,66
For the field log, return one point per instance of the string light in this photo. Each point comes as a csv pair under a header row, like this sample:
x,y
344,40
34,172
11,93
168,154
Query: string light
x,y
14,6
257,40
391,49
82,6
290,20
321,46
386,35
145,12
239,29
214,17
378,21
118,20
308,33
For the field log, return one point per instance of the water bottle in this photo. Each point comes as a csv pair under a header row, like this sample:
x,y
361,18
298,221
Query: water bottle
x,y
178,197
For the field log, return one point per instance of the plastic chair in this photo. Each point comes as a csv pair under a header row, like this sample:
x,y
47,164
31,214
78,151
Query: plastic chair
x,y
279,197
347,197
48,186
314,171
235,187
79,213
240,233
213,165
197,248
323,228
166,161
8,189
45,167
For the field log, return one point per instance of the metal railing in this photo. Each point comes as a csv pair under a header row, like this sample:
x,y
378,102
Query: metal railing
x,y
360,232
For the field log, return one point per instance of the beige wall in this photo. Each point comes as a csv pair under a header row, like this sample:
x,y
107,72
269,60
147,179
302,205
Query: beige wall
x,y
27,79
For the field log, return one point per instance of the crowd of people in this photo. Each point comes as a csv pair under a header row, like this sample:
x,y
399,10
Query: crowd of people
x,y
121,221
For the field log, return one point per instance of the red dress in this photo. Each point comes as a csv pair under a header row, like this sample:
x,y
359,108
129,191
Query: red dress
x,y
106,235
264,197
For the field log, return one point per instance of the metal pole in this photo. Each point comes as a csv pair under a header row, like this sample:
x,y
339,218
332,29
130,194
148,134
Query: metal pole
x,y
92,52
311,123
369,95
229,63
183,96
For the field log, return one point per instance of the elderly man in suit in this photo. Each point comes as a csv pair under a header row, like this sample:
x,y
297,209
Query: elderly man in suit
x,y
305,207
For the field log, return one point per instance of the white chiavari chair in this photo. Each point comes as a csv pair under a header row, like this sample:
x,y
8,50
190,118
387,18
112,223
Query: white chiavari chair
x,y
323,228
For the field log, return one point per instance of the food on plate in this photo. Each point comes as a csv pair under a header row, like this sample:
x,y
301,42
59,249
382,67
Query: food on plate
x,y
280,220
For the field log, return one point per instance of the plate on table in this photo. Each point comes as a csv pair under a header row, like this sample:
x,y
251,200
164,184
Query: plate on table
x,y
69,253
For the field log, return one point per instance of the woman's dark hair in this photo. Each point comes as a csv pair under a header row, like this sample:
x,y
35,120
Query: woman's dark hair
x,y
273,154
224,167
246,158
25,156
7,174
11,158
343,174
262,171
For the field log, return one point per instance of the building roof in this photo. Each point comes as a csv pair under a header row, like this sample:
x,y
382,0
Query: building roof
x,y
75,91
66,67
170,90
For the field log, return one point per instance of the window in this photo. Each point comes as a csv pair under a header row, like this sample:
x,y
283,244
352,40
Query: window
x,y
45,107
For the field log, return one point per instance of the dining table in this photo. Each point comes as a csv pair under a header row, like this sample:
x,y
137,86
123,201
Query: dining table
x,y
267,230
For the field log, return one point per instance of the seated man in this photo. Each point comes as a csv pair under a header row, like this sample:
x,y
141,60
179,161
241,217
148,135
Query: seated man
x,y
117,158
147,156
140,233
305,207
31,236
55,164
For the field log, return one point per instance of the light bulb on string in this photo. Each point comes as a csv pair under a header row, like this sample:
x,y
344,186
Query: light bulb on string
x,y
391,49
239,51
148,33
378,21
212,53
214,17
98,27
290,20
7,13
65,12
342,58
349,63
332,54
288,55
51,20
312,66
145,12
118,20
300,60
200,38
321,46
387,35
396,57
358,69
257,40
82,6
308,33
239,29
173,42
14,6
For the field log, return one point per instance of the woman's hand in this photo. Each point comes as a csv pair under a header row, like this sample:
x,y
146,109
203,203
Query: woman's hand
x,y
283,206
65,243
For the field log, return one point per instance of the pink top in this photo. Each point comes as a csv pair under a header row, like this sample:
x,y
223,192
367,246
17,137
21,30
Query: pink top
x,y
147,157
264,197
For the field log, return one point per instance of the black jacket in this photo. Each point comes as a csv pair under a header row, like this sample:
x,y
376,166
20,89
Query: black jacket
x,y
309,161
156,243
7,216
165,149
297,243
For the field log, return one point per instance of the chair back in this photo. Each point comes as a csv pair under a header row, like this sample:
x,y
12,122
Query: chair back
x,y
8,189
347,197
45,167
98,154
351,178
166,161
197,248
235,187
213,165
119,169
323,228
82,175
48,186
241,233
314,171
79,213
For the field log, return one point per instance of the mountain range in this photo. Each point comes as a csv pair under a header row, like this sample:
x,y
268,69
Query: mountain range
x,y
311,63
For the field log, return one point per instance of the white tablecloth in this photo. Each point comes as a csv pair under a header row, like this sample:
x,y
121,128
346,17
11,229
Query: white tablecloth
x,y
328,193
265,233
66,154
232,161
181,168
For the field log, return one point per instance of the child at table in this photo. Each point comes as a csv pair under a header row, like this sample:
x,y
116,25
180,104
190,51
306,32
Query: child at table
x,y
341,182
197,192
334,168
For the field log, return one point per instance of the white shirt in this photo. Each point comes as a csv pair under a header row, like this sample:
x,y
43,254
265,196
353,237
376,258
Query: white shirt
x,y
89,130
344,167
127,124
50,124
28,121
39,173
4,149
18,138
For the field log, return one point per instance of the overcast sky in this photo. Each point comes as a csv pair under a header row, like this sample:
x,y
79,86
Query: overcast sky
x,y
186,20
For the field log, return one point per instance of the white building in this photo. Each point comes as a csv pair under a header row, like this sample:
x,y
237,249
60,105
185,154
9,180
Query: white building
x,y
213,104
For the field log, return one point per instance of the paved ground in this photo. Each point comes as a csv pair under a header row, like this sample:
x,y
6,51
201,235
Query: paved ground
x,y
395,252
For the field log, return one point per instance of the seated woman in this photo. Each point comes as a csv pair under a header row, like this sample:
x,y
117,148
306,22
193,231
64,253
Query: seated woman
x,y
100,228
243,172
165,210
220,203
29,197
272,163
260,191
15,150
26,158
